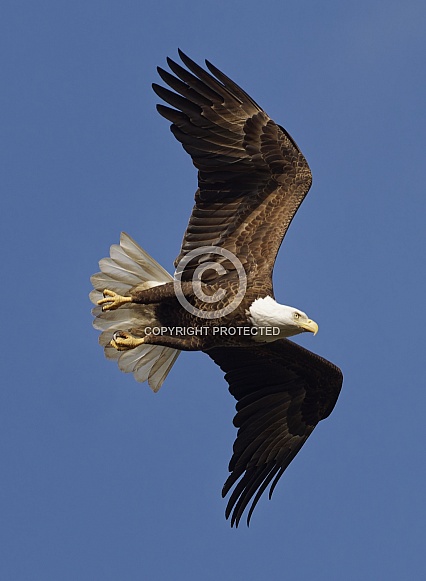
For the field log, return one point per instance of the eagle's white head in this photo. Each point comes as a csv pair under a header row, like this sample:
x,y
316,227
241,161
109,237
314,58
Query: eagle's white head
x,y
275,321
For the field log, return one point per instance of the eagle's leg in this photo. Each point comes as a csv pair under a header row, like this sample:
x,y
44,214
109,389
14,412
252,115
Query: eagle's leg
x,y
123,341
112,300
156,294
180,342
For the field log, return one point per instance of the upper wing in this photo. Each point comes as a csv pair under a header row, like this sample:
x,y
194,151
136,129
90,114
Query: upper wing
x,y
282,392
252,176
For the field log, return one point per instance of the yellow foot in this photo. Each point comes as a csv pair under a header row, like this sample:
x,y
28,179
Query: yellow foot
x,y
123,341
112,300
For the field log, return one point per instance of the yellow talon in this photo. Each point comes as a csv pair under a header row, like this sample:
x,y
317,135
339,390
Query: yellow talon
x,y
123,341
112,300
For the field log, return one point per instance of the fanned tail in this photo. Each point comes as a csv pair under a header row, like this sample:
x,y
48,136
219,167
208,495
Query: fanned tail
x,y
130,267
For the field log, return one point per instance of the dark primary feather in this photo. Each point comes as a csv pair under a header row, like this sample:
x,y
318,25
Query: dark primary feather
x,y
282,392
252,177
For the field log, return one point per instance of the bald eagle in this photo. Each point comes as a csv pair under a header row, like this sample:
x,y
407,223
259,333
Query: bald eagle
x,y
252,178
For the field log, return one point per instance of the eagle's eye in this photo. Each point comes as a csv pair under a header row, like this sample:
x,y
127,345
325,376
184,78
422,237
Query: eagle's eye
x,y
296,315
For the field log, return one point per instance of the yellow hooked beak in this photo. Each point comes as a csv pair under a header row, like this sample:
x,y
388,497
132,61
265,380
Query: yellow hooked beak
x,y
310,326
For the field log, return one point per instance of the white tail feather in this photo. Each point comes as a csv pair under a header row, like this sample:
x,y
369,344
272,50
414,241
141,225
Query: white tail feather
x,y
129,266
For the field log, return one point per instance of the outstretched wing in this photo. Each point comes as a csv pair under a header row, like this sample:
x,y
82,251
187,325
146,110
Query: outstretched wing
x,y
282,392
252,176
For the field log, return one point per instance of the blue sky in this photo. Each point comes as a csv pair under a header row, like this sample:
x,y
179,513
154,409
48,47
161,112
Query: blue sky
x,y
102,479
